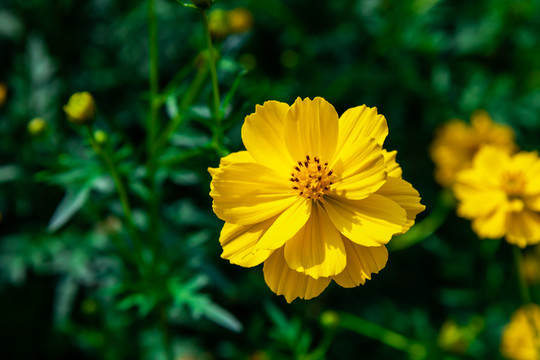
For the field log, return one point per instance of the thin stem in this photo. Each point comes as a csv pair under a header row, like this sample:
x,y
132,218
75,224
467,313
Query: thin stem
x,y
122,194
153,201
387,337
217,130
525,294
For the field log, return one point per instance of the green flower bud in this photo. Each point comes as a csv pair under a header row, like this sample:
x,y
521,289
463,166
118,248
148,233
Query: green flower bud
x,y
329,319
37,126
80,108
100,136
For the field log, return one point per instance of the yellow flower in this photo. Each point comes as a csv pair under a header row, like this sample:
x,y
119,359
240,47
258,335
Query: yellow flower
x,y
240,20
3,93
456,143
457,338
519,339
501,194
315,197
80,108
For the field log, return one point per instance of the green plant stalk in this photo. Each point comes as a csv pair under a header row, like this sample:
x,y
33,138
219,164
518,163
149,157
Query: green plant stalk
x,y
427,226
525,294
178,120
122,194
217,133
153,201
387,337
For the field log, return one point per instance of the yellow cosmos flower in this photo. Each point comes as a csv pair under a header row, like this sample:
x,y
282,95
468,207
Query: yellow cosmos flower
x,y
501,194
315,197
520,337
456,142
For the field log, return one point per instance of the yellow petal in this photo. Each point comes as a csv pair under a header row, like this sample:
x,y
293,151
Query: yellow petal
x,y
392,167
402,192
360,122
523,228
491,226
479,203
311,128
362,261
248,193
240,156
360,172
471,181
238,243
532,202
491,162
292,284
317,249
368,222
262,134
287,224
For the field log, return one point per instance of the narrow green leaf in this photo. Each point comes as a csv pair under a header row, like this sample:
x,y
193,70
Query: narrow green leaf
x,y
72,202
222,317
228,97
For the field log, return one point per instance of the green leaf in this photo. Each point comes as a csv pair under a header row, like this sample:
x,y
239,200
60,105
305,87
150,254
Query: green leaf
x,y
72,202
221,317
228,97
9,173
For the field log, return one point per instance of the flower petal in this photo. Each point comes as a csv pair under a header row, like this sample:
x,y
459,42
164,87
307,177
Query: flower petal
x,y
262,134
238,243
287,224
248,193
311,128
492,225
359,122
402,192
317,250
523,228
239,156
362,261
292,284
360,172
492,162
392,167
368,222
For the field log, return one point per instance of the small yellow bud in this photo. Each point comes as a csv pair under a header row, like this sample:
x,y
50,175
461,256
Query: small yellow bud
x,y
80,108
218,23
3,93
36,126
100,136
202,4
240,20
329,319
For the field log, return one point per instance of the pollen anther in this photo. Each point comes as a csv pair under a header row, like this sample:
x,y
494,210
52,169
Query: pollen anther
x,y
311,179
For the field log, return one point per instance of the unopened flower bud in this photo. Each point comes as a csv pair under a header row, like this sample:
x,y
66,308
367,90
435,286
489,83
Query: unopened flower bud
x,y
36,126
3,93
202,4
80,108
329,319
100,136
218,23
240,20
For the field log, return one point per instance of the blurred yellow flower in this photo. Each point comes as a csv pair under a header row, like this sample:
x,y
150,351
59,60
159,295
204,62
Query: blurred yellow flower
x,y
501,194
457,338
456,142
520,337
240,20
80,108
3,93
36,126
315,197
223,23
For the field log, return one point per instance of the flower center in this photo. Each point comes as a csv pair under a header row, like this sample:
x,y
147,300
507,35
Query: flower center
x,y
513,183
311,178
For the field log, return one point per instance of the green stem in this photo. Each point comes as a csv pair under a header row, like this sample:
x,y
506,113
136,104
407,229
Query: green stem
x,y
153,201
122,194
525,294
379,333
427,226
167,342
217,130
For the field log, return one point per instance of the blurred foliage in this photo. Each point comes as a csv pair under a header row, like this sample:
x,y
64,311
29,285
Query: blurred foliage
x,y
71,282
